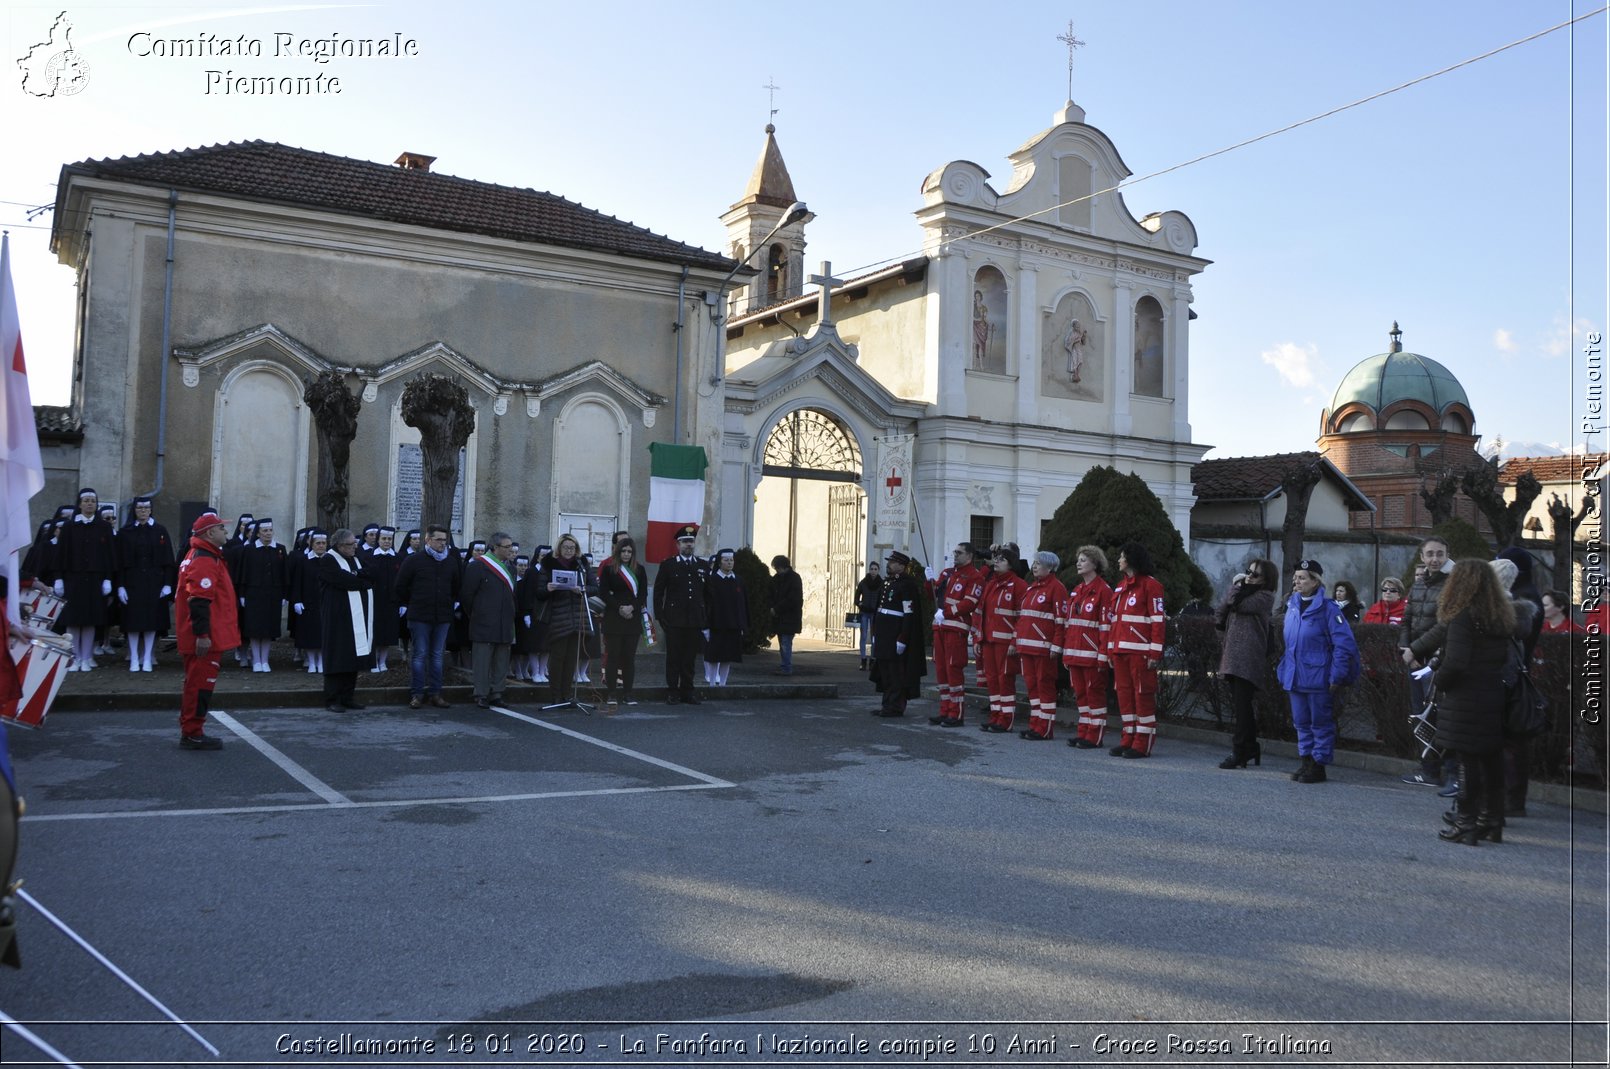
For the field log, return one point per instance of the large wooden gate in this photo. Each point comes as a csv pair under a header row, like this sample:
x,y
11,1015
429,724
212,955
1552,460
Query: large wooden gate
x,y
843,547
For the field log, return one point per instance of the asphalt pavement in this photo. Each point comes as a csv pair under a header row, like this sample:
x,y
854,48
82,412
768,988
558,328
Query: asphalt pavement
x,y
770,879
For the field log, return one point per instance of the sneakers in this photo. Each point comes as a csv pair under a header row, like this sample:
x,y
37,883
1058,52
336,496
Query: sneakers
x,y
1418,778
1450,791
200,742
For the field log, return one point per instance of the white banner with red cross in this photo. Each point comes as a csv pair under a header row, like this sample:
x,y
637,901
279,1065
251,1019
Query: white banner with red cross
x,y
891,491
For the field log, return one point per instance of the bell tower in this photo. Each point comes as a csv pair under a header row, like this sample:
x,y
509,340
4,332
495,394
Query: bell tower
x,y
765,201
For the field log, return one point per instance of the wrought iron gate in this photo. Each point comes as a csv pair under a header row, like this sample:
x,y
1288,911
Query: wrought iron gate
x,y
843,546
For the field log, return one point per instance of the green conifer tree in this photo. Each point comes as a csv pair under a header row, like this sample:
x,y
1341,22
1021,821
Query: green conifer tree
x,y
1109,508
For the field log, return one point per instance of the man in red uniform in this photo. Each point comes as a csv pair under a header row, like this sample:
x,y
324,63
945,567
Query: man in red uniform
x,y
1136,650
208,626
957,592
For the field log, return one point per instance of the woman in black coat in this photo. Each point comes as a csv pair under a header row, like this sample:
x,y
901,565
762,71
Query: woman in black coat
x,y
567,613
84,567
1470,695
1243,616
726,614
787,610
623,585
531,632
146,573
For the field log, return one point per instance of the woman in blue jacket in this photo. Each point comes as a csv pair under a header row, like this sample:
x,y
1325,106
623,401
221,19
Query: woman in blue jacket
x,y
1320,659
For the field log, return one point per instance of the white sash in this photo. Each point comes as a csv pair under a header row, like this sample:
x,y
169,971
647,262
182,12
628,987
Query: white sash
x,y
362,612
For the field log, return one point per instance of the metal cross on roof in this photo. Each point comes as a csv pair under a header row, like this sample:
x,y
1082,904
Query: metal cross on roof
x,y
771,95
1072,42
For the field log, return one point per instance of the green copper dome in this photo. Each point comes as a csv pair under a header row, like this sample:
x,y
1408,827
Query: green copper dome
x,y
1390,377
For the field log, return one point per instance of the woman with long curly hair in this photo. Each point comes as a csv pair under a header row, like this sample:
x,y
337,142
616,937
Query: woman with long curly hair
x,y
1470,695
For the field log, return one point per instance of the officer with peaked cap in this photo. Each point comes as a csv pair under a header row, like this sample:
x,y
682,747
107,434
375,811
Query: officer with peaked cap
x,y
679,607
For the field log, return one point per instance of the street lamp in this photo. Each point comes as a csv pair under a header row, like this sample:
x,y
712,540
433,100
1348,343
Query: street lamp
x,y
797,212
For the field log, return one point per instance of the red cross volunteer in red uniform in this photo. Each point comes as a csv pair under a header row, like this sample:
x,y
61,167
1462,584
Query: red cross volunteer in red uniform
x,y
1084,647
1136,650
958,591
207,624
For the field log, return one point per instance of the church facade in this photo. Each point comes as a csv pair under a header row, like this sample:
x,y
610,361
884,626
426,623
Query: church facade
x,y
1043,331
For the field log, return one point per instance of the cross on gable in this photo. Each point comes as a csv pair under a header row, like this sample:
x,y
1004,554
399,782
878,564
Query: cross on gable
x,y
1072,42
825,304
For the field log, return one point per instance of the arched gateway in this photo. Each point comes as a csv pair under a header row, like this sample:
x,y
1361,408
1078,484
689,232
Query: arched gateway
x,y
810,505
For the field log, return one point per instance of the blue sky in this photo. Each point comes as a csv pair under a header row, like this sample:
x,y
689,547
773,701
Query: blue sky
x,y
1471,208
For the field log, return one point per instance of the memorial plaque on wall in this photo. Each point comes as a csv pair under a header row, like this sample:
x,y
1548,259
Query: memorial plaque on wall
x,y
410,492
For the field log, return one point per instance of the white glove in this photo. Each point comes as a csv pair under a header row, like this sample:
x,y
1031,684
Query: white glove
x,y
165,592
939,617
402,610
928,573
528,620
706,633
123,595
298,608
106,588
900,648
455,606
242,602
60,588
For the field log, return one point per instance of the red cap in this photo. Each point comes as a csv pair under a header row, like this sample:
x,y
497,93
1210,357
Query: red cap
x,y
205,521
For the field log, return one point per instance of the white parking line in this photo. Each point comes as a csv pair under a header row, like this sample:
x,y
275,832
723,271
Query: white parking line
x,y
405,803
334,800
690,773
291,768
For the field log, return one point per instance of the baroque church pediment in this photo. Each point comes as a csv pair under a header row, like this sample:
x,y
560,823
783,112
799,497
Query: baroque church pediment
x,y
1058,179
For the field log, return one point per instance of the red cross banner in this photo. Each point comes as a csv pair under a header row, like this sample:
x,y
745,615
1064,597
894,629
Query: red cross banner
x,y
891,491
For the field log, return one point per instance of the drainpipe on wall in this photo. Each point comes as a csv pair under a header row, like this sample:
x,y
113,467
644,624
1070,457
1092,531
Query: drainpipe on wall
x,y
167,329
676,328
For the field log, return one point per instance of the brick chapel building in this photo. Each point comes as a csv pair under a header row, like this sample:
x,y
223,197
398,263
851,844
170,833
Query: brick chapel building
x,y
1397,421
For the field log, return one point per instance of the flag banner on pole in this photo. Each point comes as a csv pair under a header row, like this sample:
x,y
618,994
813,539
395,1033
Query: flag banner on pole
x,y
675,495
891,489
22,473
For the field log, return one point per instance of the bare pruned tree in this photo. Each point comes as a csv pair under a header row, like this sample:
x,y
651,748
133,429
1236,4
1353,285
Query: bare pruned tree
x,y
1438,497
1298,484
1481,485
440,410
1564,531
335,414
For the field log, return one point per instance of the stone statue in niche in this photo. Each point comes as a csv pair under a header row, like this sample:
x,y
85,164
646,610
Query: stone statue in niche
x,y
989,322
1071,362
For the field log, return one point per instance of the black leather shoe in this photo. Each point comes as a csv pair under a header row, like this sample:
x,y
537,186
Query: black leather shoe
x,y
1118,751
1031,735
200,742
1302,769
691,698
336,707
937,719
1081,744
949,722
1460,833
353,705
1135,754
891,712
673,699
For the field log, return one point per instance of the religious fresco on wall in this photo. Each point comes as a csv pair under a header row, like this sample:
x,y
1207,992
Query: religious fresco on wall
x,y
988,349
1071,360
1148,347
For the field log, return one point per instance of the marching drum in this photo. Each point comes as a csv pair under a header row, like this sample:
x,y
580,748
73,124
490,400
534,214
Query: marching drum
x,y
39,607
41,665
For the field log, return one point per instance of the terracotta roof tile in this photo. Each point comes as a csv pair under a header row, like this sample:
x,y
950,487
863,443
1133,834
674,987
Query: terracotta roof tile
x,y
1559,469
265,171
1244,478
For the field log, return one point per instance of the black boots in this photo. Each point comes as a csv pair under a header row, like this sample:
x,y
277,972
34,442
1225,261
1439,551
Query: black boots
x,y
1239,758
1302,769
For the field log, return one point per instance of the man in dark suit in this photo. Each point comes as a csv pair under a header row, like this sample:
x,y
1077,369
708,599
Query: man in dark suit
x,y
487,596
679,607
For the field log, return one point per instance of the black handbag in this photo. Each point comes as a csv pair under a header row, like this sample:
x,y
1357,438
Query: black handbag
x,y
1526,711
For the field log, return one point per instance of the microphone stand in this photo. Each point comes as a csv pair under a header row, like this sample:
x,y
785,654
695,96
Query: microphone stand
x,y
581,633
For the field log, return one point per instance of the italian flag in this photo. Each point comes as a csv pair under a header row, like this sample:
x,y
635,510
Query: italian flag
x,y
675,495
